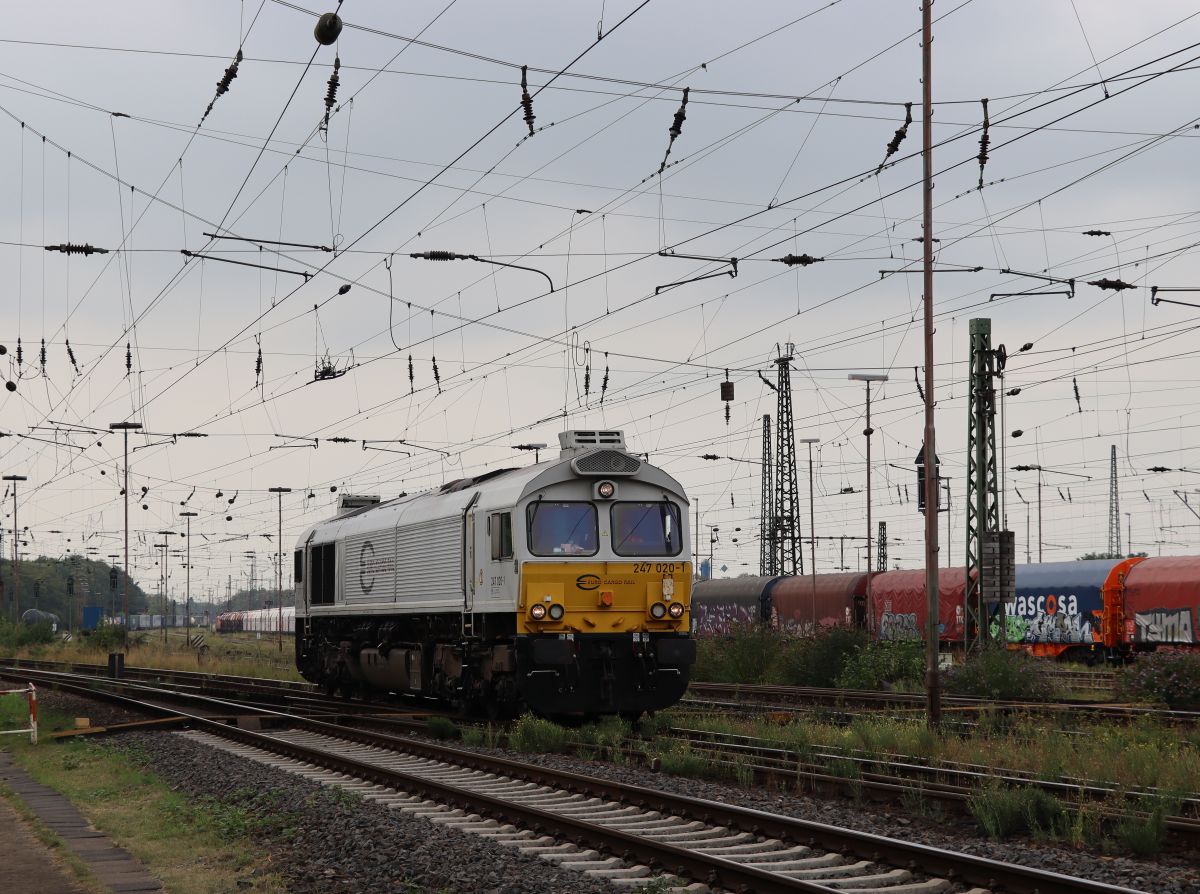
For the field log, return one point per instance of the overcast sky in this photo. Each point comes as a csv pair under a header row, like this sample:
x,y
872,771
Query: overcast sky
x,y
790,110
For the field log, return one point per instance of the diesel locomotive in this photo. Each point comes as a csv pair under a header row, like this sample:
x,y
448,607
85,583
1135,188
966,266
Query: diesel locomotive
x,y
562,587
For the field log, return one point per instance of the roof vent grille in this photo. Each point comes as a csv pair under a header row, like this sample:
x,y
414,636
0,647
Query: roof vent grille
x,y
606,462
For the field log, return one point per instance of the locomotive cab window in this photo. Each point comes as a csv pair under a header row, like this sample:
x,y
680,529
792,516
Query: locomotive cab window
x,y
500,526
646,529
298,572
321,585
562,529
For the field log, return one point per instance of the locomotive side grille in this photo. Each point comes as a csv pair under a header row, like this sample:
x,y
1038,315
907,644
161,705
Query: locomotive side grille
x,y
606,462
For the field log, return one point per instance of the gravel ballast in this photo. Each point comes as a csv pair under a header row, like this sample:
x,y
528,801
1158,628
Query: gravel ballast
x,y
326,840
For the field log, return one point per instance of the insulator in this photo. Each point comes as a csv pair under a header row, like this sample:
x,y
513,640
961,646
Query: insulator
x,y
1028,346
331,89
230,73
20,352
726,414
258,366
798,260
1096,233
128,359
984,141
437,377
587,380
77,248
344,289
727,389
898,137
437,255
676,127
604,381
1075,385
327,29
1116,285
42,354
526,100
411,390
71,356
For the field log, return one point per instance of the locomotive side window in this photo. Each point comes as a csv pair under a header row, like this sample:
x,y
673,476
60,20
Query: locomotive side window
x,y
298,572
500,526
562,529
322,581
646,529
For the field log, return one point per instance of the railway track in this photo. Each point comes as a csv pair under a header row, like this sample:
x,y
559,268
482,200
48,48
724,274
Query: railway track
x,y
631,835
768,699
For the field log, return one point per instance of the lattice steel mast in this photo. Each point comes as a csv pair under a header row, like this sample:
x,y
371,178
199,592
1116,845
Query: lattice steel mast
x,y
766,528
983,501
1114,508
789,560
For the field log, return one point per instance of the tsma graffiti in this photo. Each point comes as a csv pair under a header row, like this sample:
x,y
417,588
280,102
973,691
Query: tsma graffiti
x,y
1164,625
896,626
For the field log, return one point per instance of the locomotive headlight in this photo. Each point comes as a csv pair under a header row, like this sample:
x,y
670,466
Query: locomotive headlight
x,y
676,610
606,490
658,611
537,612
556,612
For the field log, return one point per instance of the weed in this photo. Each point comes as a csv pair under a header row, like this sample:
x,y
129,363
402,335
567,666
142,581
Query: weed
x,y
998,673
681,760
884,665
443,728
538,735
1002,811
1170,677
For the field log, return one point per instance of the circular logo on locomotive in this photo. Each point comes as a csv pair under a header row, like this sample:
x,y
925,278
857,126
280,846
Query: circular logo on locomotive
x,y
366,567
587,581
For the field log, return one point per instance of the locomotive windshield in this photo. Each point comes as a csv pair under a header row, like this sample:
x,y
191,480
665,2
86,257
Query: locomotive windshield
x,y
646,529
562,529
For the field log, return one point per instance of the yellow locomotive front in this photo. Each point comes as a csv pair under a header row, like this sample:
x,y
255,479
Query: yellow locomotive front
x,y
603,610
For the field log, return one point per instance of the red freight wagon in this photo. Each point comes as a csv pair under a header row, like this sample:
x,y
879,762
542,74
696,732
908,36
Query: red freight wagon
x,y
1162,602
800,604
898,604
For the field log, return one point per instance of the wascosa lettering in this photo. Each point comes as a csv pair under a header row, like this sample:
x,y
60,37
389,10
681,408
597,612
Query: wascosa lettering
x,y
1028,606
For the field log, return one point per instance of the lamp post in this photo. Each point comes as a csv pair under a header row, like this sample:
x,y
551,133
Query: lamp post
x,y
162,598
279,492
868,378
1041,470
125,428
812,525
189,515
253,557
16,538
713,530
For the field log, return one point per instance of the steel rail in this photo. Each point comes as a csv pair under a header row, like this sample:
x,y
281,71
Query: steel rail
x,y
959,867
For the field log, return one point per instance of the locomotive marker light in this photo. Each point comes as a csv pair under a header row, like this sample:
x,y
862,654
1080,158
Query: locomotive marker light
x,y
537,611
658,610
676,610
556,612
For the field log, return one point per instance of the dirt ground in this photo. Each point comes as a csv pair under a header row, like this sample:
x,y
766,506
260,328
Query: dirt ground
x,y
28,865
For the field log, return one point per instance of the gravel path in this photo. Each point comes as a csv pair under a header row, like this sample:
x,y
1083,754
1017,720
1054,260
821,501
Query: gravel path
x,y
327,841
1165,874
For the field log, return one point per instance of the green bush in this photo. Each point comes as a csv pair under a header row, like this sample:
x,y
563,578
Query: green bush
x,y
884,665
443,728
536,734
14,636
1002,812
1170,677
998,673
1145,835
818,660
745,656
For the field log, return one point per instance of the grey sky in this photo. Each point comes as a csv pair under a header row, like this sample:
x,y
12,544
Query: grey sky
x,y
507,375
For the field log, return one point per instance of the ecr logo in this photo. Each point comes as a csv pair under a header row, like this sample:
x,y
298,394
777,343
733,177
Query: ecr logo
x,y
587,581
366,567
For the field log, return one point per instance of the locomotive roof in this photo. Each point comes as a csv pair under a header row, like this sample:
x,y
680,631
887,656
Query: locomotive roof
x,y
498,488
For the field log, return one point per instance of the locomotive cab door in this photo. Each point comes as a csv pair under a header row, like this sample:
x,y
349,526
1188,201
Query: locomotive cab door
x,y
470,557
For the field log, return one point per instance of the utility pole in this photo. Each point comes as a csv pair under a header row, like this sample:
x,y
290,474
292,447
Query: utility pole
x,y
766,527
279,492
125,428
812,526
868,379
187,612
932,680
16,543
1114,507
